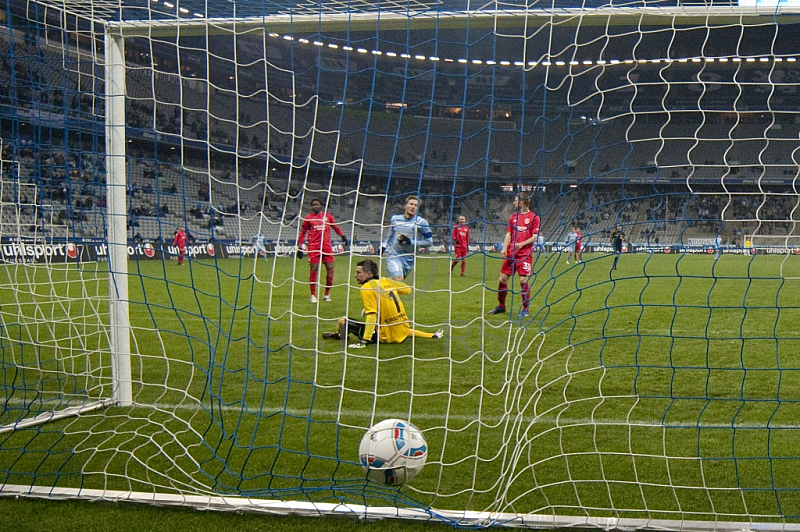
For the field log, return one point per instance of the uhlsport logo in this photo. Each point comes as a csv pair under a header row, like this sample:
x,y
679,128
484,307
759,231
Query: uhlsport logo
x,y
210,249
72,251
149,250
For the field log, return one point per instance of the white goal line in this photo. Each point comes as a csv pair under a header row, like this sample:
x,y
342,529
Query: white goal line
x,y
324,414
462,518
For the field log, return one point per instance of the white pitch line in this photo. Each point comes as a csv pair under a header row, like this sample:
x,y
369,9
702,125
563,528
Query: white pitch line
x,y
322,414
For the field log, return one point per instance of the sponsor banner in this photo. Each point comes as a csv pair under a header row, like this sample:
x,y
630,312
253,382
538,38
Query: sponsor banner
x,y
22,251
364,248
239,250
699,242
780,251
40,252
282,250
152,250
31,251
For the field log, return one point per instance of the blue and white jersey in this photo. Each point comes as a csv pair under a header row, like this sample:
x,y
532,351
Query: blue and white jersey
x,y
718,242
259,242
416,229
572,237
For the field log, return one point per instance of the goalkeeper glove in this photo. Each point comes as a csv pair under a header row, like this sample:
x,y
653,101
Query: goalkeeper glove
x,y
404,240
357,345
345,241
299,254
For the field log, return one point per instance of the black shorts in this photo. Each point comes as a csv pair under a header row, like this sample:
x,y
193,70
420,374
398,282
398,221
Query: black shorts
x,y
357,328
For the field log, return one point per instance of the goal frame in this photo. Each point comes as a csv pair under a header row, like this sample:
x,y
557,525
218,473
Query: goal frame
x,y
120,329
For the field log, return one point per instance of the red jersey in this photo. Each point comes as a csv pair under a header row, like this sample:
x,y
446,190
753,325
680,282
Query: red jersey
x,y
578,241
461,236
180,239
317,227
522,227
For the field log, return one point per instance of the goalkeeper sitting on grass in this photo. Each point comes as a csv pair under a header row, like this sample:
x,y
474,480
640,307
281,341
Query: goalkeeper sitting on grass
x,y
386,320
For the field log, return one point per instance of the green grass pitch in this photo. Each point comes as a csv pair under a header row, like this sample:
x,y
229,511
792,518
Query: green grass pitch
x,y
668,388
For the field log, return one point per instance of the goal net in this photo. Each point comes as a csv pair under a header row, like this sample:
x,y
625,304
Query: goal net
x,y
162,340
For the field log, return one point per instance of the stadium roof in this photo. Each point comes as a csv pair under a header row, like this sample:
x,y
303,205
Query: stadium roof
x,y
177,10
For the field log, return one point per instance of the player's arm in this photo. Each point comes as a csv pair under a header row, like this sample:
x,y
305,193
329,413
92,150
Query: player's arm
x,y
534,235
332,224
388,244
302,237
369,298
527,241
398,287
423,230
506,242
337,229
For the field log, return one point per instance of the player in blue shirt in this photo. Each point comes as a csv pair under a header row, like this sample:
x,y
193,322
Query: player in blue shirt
x,y
260,245
408,233
572,238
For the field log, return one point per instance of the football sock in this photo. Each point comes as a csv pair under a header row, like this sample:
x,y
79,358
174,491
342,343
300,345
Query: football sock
x,y
328,281
420,334
463,266
312,279
526,291
502,292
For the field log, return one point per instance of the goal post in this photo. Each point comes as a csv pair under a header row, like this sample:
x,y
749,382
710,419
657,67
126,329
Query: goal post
x,y
162,340
116,216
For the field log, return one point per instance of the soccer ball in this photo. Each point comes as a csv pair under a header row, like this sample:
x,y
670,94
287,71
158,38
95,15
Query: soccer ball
x,y
392,452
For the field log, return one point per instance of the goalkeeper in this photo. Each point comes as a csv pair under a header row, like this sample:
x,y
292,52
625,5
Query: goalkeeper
x,y
385,315
409,232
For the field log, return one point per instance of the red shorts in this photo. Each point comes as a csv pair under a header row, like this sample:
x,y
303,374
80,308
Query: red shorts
x,y
577,248
182,250
461,252
315,256
523,267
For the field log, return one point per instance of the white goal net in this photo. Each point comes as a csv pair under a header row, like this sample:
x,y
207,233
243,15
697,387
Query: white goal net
x,y
164,339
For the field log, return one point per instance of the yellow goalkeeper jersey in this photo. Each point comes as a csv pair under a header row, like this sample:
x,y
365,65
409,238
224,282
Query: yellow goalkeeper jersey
x,y
383,307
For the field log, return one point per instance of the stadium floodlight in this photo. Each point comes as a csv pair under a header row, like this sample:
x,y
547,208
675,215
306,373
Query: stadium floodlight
x,y
163,338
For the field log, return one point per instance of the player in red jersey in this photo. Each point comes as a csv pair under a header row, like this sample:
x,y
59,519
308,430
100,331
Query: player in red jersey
x,y
317,225
521,233
461,244
180,242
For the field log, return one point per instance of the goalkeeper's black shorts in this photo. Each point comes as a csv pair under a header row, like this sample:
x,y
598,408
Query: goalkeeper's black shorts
x,y
357,328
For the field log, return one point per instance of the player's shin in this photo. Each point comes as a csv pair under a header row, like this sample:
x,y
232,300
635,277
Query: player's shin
x,y
328,280
526,294
312,282
502,293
